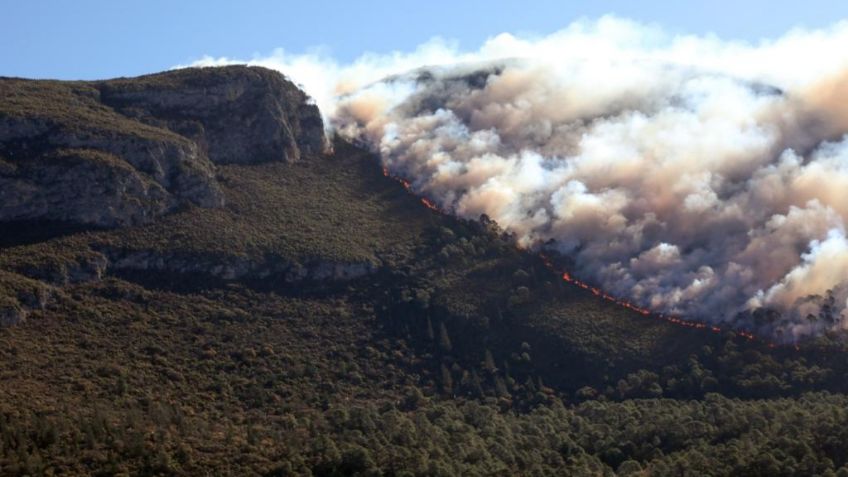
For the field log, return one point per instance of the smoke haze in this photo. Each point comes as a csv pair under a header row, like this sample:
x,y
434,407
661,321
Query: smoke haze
x,y
690,175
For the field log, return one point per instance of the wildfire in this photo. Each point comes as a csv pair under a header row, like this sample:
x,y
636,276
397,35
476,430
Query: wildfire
x,y
429,204
646,312
408,186
595,290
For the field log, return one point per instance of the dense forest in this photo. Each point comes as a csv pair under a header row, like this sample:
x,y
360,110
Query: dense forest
x,y
462,356
326,322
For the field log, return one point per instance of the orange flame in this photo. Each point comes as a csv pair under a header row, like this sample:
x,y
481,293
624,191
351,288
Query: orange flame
x,y
597,291
429,204
646,312
408,186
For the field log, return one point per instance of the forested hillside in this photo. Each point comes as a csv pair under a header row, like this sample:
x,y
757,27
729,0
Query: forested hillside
x,y
306,314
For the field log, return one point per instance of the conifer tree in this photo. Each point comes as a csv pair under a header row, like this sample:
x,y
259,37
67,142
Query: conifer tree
x,y
444,340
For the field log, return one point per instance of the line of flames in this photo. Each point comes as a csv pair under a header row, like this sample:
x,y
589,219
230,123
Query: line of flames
x,y
408,186
646,312
595,290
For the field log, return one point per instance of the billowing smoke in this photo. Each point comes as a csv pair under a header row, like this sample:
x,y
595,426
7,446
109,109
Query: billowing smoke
x,y
687,174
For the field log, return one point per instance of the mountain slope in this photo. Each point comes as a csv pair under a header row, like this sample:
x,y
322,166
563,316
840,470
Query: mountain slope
x,y
320,319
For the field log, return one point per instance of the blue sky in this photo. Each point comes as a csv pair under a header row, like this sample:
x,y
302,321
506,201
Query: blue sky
x,y
88,39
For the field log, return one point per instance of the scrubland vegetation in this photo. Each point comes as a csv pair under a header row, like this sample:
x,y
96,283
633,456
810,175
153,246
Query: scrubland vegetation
x,y
458,355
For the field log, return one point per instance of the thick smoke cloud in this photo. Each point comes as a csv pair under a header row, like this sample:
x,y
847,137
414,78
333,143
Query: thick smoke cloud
x,y
690,175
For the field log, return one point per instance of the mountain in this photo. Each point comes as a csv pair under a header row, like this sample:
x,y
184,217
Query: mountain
x,y
195,280
124,152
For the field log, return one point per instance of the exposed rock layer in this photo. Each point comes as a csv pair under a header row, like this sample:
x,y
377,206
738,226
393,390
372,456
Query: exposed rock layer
x,y
125,151
236,114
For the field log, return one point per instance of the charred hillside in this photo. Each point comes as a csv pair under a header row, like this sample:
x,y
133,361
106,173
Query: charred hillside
x,y
193,282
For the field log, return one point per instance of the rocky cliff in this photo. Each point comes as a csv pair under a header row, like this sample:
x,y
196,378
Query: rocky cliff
x,y
238,115
125,151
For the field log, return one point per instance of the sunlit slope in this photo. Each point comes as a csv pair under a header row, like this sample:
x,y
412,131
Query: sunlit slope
x,y
335,208
170,371
340,208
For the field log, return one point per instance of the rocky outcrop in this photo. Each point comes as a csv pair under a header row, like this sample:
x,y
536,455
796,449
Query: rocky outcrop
x,y
11,315
239,268
237,114
19,296
65,157
92,265
125,151
81,186
86,265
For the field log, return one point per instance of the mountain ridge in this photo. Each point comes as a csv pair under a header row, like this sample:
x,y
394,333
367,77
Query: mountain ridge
x,y
153,139
323,321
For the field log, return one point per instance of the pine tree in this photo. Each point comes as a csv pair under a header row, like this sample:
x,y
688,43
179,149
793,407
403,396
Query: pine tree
x,y
500,387
476,385
489,362
444,339
447,380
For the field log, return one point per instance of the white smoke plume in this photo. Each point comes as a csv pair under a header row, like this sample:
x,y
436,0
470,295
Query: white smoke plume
x,y
691,175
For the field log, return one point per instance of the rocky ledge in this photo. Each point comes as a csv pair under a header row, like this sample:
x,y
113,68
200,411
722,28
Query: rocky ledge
x,y
31,287
125,151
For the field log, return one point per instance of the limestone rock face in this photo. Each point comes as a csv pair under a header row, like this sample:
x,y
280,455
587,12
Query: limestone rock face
x,y
239,268
19,296
237,114
88,187
11,316
125,151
